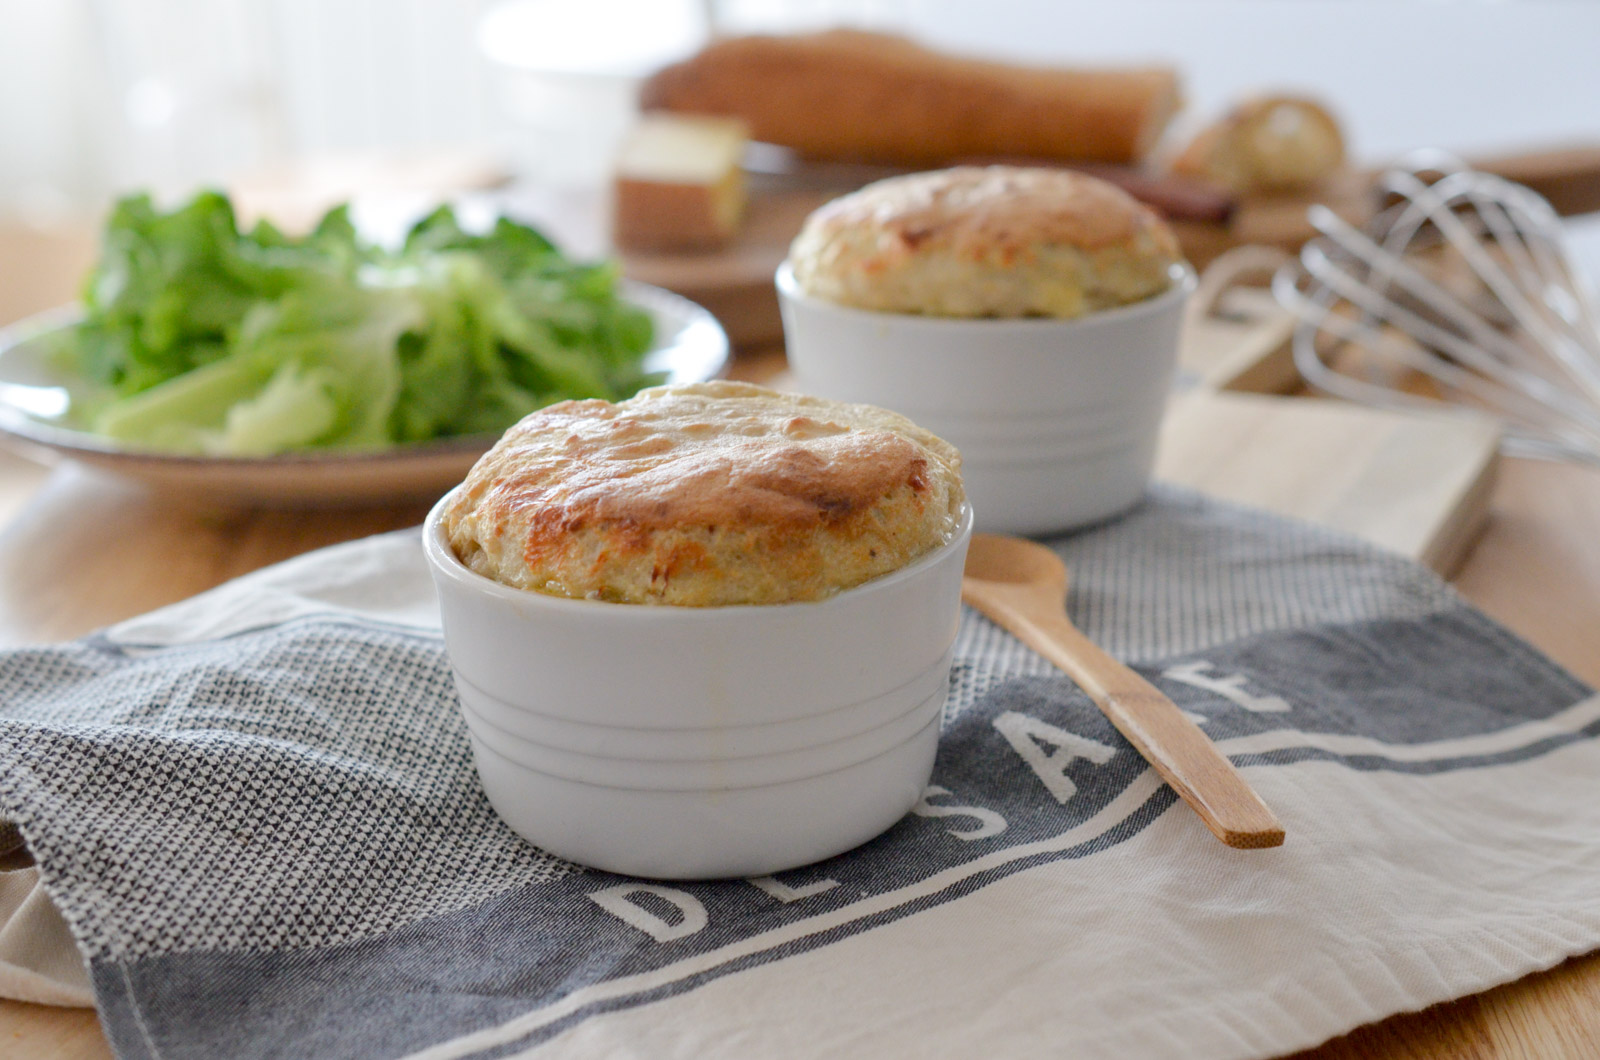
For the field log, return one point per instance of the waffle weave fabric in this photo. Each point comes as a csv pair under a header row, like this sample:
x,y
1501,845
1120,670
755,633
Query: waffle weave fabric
x,y
257,811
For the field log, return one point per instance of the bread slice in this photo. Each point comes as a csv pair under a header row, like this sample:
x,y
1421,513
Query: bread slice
x,y
678,183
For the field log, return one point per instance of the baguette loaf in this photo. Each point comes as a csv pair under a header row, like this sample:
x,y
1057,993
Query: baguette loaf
x,y
858,96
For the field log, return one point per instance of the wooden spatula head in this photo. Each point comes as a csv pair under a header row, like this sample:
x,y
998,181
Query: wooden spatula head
x,y
1012,560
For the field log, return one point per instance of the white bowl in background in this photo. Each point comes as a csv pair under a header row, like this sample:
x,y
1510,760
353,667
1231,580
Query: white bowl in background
x,y
568,75
702,742
1056,420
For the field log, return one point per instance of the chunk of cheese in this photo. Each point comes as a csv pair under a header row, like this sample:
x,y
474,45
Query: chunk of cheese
x,y
678,183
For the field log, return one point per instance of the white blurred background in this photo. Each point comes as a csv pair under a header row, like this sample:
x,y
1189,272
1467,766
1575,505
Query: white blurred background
x,y
103,96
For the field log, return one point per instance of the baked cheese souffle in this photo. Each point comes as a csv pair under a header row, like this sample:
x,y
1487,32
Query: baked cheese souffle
x,y
985,241
705,495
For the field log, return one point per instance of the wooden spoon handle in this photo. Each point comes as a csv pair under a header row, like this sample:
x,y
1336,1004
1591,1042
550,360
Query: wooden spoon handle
x,y
1183,755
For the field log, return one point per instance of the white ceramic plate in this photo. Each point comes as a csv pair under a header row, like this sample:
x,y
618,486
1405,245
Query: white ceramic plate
x,y
34,398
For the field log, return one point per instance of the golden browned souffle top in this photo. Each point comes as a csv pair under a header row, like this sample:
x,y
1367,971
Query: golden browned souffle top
x,y
705,495
990,241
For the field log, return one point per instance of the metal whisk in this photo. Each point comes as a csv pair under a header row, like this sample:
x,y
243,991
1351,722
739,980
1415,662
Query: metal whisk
x,y
1464,286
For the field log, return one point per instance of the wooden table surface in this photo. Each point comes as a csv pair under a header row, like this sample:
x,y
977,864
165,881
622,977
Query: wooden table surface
x,y
79,550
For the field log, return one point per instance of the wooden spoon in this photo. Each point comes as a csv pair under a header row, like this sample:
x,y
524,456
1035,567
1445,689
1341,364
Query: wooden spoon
x,y
1023,587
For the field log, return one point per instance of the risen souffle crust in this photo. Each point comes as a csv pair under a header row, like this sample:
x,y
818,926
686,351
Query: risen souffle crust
x,y
994,241
705,495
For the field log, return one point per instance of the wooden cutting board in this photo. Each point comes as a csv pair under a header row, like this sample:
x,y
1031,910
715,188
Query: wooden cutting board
x,y
1417,483
1241,341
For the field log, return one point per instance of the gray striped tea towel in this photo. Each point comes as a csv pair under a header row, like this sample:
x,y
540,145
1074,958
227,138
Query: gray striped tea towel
x,y
257,813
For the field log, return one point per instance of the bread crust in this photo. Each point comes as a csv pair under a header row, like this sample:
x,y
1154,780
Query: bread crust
x,y
998,241
852,95
656,216
711,494
1267,145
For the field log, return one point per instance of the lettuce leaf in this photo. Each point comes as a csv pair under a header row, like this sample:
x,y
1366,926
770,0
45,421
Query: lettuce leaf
x,y
206,339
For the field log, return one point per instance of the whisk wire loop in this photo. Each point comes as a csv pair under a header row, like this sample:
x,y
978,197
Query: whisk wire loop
x,y
1466,282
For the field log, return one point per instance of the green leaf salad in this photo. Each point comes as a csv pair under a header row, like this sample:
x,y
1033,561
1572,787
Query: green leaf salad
x,y
200,338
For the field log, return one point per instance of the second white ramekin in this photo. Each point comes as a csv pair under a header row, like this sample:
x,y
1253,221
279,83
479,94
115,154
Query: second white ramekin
x,y
1056,420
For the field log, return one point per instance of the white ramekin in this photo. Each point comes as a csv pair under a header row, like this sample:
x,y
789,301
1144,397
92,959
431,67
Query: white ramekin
x,y
692,743
1056,420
